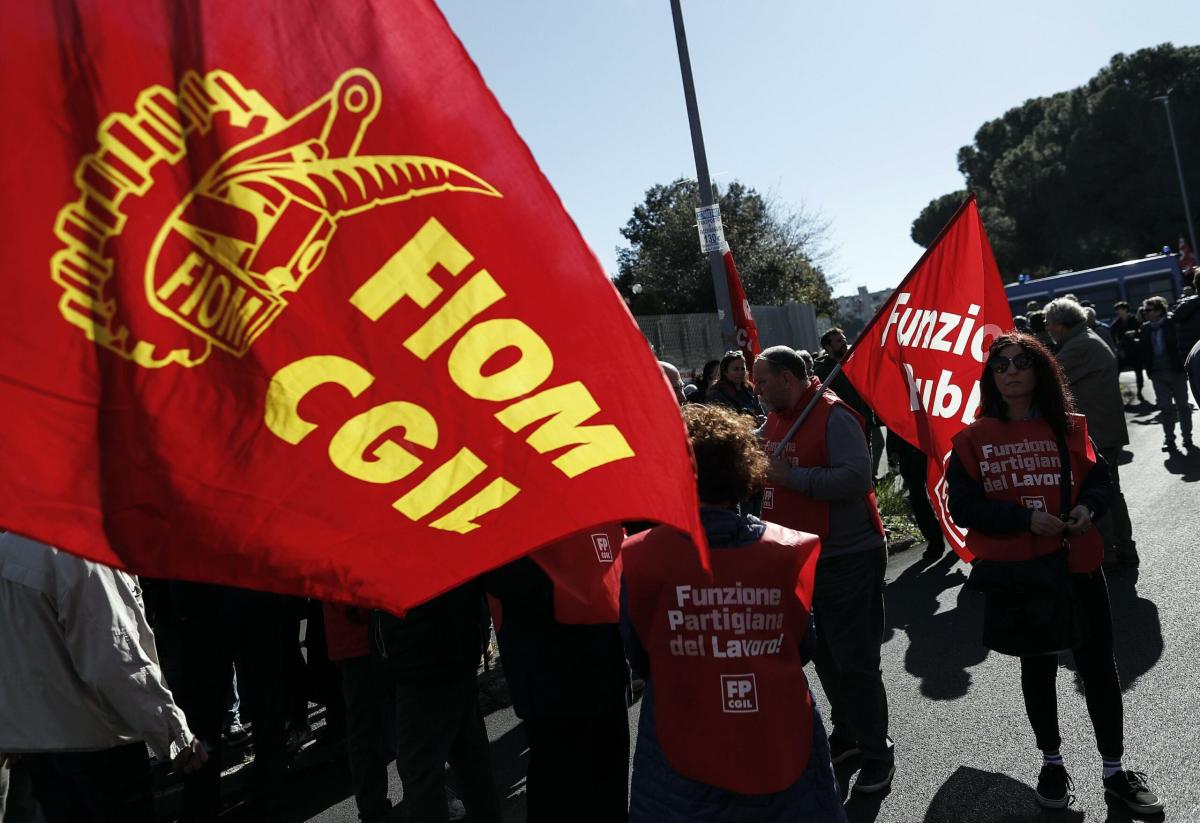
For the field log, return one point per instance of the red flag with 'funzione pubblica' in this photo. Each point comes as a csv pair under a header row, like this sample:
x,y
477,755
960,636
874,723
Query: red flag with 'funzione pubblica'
x,y
918,362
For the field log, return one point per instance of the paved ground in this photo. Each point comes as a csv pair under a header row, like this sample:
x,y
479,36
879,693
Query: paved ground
x,y
965,752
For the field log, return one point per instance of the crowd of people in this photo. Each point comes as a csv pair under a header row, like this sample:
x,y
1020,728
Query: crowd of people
x,y
103,669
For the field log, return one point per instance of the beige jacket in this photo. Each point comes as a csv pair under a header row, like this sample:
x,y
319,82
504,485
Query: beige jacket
x,y
79,666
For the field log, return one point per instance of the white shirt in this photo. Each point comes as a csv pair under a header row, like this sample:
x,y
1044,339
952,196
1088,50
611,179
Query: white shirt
x,y
79,666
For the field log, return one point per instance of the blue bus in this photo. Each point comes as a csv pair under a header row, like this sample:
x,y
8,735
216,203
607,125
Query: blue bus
x,y
1133,281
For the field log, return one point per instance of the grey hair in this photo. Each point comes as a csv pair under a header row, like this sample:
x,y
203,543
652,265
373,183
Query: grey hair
x,y
781,358
1066,312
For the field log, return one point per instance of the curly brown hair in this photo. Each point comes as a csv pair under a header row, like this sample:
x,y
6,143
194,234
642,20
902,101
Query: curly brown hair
x,y
730,466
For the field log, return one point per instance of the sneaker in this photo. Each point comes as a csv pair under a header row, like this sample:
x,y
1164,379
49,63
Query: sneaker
x,y
1132,790
876,775
455,810
842,748
1054,786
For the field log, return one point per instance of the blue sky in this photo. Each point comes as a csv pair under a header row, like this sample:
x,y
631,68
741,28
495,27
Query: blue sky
x,y
853,110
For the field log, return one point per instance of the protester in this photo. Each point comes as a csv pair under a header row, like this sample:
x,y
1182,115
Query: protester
x,y
218,626
704,382
566,673
675,381
835,347
1186,317
1025,402
809,364
1091,372
1031,306
1102,329
1192,367
1163,359
733,390
725,738
913,465
1037,327
1125,327
1021,322
370,701
823,484
82,690
432,654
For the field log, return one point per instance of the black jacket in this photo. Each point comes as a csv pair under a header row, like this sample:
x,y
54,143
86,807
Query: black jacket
x,y
553,669
1146,345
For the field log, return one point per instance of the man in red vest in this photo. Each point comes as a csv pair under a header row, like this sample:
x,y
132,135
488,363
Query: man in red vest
x,y
822,484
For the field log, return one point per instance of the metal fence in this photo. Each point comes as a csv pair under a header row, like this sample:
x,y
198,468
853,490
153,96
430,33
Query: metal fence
x,y
688,340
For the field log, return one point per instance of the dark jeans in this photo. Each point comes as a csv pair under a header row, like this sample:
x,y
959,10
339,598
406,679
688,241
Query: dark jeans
x,y
369,692
256,634
913,466
579,762
848,610
440,722
109,786
1095,664
1114,525
1171,397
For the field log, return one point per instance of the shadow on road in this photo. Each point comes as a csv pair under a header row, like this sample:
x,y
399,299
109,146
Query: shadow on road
x,y
942,646
1184,464
510,761
988,797
1137,631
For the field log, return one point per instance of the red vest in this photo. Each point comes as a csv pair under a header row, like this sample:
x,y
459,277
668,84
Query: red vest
x,y
1018,461
732,703
586,571
791,508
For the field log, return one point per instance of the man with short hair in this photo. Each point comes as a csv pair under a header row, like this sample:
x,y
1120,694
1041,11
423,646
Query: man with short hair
x,y
673,378
1124,330
1101,328
835,346
1164,360
822,484
1091,371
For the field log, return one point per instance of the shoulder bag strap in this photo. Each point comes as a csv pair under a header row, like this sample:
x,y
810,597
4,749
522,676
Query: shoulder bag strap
x,y
1064,482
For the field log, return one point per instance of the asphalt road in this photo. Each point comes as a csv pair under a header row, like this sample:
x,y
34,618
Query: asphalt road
x,y
964,748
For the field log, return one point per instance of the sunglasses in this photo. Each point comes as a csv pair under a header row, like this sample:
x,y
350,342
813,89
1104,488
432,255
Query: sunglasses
x,y
999,363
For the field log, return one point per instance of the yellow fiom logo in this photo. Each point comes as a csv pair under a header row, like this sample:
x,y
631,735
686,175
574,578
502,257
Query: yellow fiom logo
x,y
221,262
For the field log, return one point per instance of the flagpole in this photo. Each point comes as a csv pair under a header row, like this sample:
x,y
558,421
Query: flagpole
x,y
716,262
837,369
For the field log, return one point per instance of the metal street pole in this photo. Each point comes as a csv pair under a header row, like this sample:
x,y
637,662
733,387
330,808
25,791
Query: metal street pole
x,y
1187,210
716,261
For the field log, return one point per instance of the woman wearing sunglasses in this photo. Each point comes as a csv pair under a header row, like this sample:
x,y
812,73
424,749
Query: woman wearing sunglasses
x,y
733,388
1006,486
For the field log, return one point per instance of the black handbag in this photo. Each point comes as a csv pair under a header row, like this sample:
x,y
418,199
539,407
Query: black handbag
x,y
1029,605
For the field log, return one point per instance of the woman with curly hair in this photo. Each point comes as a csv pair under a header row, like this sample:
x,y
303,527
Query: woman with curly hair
x,y
735,736
1006,486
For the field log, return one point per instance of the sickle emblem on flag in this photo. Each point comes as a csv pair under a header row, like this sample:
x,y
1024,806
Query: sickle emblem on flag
x,y
255,226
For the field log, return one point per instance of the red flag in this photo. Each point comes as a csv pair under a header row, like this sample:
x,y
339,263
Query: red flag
x,y
746,331
918,362
291,307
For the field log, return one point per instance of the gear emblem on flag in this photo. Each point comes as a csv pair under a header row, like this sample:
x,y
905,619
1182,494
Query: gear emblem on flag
x,y
229,205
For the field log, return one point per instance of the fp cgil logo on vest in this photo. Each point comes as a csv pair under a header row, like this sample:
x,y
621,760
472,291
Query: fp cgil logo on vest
x,y
604,552
739,693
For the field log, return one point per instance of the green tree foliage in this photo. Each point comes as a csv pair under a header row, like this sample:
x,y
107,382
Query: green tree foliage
x,y
1085,177
778,252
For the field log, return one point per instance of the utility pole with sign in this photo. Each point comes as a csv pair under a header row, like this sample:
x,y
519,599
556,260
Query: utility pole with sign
x,y
708,216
